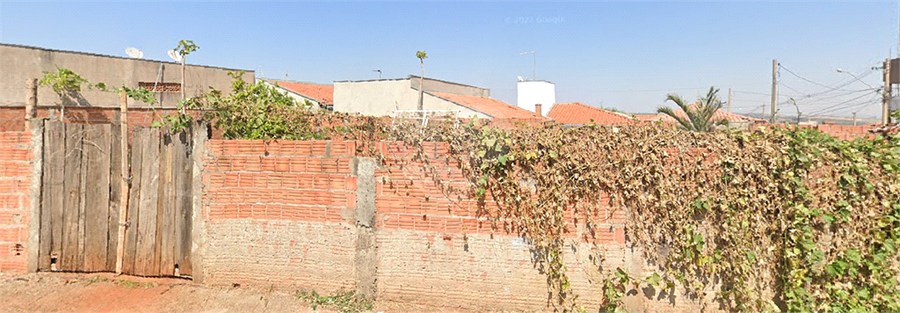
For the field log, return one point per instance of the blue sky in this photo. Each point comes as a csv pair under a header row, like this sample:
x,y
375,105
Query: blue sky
x,y
624,55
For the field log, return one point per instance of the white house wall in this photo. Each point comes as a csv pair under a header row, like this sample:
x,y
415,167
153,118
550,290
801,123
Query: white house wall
x,y
383,97
530,93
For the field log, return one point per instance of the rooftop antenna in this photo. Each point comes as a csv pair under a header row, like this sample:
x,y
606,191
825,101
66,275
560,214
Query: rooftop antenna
x,y
379,73
534,61
134,53
174,55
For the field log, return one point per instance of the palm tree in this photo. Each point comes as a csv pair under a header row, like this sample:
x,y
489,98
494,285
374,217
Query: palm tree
x,y
422,56
697,117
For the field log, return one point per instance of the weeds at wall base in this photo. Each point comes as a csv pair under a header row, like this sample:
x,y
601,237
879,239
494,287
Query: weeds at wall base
x,y
343,301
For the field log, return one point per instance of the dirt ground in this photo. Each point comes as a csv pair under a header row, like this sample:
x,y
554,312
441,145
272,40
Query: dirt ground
x,y
105,292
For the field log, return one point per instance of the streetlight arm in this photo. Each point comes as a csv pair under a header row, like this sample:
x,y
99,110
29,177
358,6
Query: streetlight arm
x,y
855,77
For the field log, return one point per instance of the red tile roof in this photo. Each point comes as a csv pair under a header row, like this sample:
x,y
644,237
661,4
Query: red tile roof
x,y
492,107
578,113
718,116
322,93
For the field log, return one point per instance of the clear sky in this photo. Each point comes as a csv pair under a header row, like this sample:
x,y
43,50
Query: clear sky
x,y
623,55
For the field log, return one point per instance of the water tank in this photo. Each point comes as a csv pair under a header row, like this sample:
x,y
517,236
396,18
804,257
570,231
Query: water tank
x,y
533,92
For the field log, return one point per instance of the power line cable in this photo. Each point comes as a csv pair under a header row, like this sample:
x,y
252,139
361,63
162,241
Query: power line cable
x,y
837,105
801,77
828,88
853,107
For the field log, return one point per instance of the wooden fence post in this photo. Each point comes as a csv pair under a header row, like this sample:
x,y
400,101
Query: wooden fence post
x,y
123,199
31,85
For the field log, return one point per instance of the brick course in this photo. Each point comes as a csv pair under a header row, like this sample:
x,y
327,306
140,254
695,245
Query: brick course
x,y
15,181
279,212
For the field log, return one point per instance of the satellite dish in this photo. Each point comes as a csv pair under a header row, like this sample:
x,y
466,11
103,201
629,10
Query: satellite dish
x,y
521,79
174,55
134,52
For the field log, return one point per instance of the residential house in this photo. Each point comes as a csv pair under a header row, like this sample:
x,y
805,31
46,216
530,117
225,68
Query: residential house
x,y
320,96
19,63
581,114
387,97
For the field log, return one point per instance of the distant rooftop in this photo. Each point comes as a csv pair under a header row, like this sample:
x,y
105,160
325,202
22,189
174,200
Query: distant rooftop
x,y
492,107
322,93
577,113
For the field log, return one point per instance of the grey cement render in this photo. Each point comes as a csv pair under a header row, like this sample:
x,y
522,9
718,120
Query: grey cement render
x,y
34,195
365,192
198,219
18,63
448,87
366,257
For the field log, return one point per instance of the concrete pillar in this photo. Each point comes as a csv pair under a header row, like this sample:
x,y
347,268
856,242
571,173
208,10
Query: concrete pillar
x,y
31,87
198,219
34,212
366,258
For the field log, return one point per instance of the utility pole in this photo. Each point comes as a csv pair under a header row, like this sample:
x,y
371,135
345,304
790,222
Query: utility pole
x,y
774,90
854,118
729,99
886,94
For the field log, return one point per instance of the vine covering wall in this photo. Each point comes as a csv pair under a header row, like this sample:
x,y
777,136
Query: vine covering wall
x,y
776,219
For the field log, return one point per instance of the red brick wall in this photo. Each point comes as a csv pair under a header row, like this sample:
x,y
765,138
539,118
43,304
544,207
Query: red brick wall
x,y
13,118
435,250
845,132
283,213
15,181
280,213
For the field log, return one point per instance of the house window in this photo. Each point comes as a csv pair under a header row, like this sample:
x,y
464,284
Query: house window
x,y
160,87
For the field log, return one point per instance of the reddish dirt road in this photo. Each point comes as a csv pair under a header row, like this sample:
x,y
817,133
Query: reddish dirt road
x,y
104,292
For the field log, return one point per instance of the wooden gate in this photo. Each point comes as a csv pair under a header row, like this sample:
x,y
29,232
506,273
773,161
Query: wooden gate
x,y
158,236
81,192
79,214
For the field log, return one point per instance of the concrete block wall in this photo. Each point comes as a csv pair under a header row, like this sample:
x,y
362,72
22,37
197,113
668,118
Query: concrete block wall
x,y
15,203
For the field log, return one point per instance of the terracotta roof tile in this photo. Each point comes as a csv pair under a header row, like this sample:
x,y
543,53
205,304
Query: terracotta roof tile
x,y
322,93
578,113
718,116
493,107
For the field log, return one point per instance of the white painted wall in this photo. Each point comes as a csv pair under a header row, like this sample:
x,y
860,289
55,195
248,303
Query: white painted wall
x,y
383,97
534,92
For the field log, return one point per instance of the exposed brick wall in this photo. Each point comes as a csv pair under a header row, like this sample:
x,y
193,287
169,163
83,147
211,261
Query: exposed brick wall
x,y
280,212
845,132
13,118
434,249
15,181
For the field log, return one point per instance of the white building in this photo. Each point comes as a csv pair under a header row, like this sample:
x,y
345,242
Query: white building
x,y
531,92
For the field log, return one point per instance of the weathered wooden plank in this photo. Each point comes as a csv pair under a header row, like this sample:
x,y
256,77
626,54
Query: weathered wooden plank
x,y
52,193
139,139
147,260
115,194
70,258
166,217
96,159
183,195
